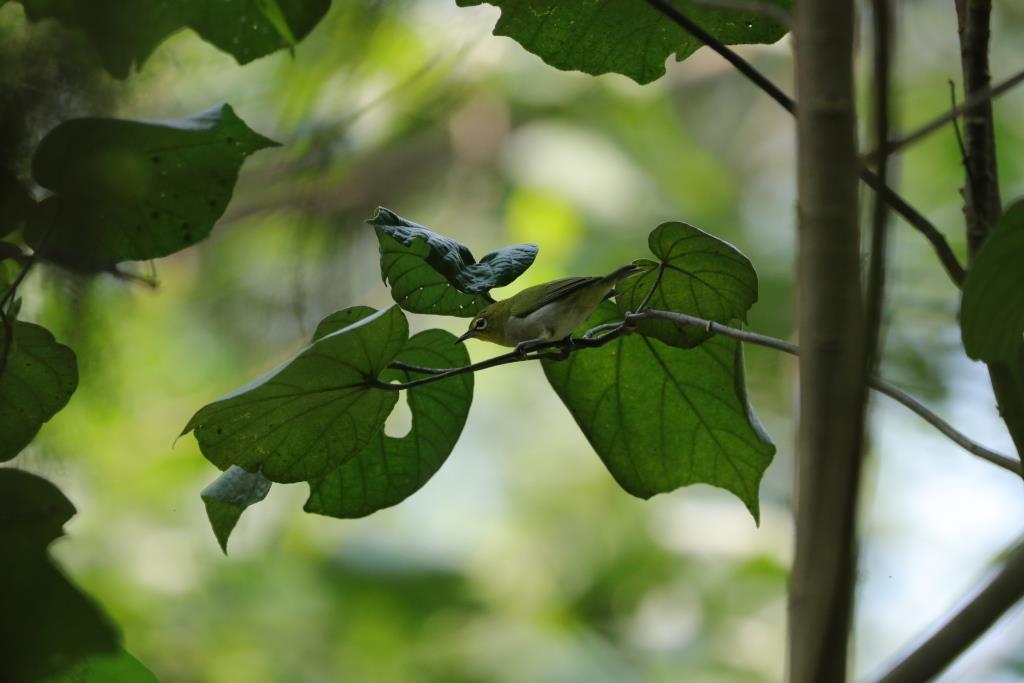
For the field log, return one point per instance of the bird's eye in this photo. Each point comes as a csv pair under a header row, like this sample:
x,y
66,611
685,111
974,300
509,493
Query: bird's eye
x,y
481,324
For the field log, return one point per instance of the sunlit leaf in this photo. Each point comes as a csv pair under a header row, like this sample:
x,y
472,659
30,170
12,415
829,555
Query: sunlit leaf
x,y
135,190
992,311
126,33
38,379
390,469
430,273
313,413
700,275
661,417
46,624
227,497
622,36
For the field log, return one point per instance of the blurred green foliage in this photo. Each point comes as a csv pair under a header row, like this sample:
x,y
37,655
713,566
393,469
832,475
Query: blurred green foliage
x,y
522,561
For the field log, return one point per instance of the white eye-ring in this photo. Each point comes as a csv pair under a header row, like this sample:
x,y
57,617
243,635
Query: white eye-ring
x,y
481,324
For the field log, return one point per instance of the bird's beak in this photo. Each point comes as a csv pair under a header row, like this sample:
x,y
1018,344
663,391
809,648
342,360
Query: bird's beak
x,y
464,337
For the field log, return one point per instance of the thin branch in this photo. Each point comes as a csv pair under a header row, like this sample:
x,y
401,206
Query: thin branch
x,y
874,297
564,348
979,97
876,383
743,66
948,640
409,367
914,217
960,439
960,143
949,261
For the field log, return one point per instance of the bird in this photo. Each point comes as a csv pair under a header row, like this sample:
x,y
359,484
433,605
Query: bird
x,y
547,312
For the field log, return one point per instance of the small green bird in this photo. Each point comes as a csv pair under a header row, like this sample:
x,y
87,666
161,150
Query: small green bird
x,y
547,312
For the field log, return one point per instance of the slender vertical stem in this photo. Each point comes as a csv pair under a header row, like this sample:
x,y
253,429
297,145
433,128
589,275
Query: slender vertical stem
x,y
830,312
982,205
875,295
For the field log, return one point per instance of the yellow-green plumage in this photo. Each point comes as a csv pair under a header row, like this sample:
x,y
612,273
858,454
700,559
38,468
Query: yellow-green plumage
x,y
546,312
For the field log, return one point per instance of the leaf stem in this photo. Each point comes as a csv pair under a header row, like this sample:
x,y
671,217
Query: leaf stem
x,y
914,217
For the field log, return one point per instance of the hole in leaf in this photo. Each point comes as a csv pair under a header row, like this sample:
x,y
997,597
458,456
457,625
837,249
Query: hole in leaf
x,y
399,422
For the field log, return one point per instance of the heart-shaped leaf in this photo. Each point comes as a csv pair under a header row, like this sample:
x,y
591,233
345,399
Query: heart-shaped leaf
x,y
46,624
312,414
126,33
227,497
622,36
992,311
699,274
661,417
430,273
389,470
39,376
135,190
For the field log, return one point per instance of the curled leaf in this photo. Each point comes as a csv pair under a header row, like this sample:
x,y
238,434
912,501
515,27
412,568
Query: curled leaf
x,y
227,497
430,273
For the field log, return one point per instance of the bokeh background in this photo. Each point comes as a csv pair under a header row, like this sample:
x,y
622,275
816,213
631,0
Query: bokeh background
x,y
521,560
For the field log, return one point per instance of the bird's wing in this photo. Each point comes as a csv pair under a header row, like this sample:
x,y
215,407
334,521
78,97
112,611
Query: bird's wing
x,y
551,291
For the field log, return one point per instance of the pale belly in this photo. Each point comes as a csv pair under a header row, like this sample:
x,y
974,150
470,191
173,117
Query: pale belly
x,y
550,323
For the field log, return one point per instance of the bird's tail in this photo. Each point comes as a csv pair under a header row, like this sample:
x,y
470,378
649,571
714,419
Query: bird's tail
x,y
622,273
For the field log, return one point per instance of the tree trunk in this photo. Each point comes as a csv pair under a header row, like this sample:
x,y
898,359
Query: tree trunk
x,y
830,324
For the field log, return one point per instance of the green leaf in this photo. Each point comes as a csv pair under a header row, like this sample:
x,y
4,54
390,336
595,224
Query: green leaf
x,y
38,379
389,469
126,33
992,311
119,667
416,286
135,190
700,275
662,417
339,320
313,413
15,203
430,273
46,624
621,36
227,497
